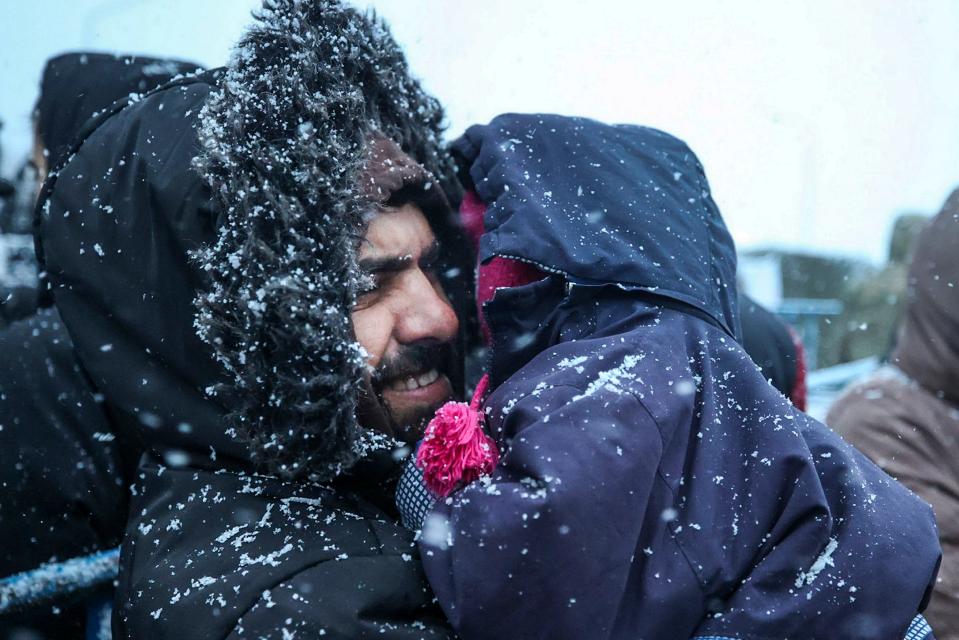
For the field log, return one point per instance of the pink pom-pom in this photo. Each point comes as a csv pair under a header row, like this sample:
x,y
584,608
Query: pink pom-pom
x,y
455,450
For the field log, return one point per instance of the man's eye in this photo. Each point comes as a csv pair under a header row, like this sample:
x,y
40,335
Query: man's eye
x,y
369,283
377,282
366,294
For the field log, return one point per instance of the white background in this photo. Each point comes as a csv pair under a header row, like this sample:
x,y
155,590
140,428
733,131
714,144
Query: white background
x,y
817,121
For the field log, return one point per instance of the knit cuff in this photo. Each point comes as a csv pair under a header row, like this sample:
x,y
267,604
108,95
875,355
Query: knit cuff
x,y
413,499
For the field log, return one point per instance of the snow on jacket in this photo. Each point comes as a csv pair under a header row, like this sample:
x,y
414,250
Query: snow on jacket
x,y
905,417
245,556
63,483
652,484
200,245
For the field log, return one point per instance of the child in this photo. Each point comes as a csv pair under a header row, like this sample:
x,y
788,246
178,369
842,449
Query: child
x,y
651,483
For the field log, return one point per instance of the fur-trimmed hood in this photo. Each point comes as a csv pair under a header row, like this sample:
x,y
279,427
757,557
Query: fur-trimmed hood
x,y
289,128
225,209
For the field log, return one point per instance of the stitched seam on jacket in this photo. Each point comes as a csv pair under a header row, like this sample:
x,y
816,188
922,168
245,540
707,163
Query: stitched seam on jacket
x,y
662,478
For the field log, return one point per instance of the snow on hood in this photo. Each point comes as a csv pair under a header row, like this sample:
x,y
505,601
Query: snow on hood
x,y
603,204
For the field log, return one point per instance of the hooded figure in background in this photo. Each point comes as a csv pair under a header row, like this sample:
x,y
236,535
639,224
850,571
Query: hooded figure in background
x,y
64,485
216,249
76,86
905,417
8,192
652,483
776,349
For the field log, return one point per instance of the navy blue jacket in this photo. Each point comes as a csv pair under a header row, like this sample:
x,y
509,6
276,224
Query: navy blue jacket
x,y
653,484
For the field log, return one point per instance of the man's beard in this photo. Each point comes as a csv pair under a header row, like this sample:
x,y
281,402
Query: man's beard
x,y
405,423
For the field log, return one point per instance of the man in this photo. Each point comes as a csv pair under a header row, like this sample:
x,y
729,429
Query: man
x,y
905,417
246,262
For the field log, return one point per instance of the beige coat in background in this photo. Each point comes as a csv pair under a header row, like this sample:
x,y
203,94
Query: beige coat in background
x,y
905,417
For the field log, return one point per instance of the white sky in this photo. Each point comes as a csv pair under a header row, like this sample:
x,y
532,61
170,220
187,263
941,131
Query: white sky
x,y
817,121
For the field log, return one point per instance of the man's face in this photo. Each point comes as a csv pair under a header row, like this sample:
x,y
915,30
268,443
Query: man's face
x,y
405,323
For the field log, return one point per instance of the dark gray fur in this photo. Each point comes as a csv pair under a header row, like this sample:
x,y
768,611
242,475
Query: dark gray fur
x,y
283,140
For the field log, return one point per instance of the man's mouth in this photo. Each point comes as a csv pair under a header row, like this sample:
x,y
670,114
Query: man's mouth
x,y
413,382
411,386
416,393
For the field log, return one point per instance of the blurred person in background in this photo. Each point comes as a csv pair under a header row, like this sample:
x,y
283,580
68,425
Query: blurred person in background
x,y
776,349
74,87
905,417
17,264
6,188
63,484
874,303
17,213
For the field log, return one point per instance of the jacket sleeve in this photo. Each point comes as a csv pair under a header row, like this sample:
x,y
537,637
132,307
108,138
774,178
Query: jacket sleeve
x,y
534,552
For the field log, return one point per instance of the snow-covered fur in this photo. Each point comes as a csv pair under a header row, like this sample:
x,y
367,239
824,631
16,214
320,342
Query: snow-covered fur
x,y
283,141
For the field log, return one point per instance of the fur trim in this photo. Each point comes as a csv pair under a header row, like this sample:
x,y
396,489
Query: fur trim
x,y
283,141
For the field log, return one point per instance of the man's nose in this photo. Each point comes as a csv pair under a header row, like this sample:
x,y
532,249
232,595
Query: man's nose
x,y
426,313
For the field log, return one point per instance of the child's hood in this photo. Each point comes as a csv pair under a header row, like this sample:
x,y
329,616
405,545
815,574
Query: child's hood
x,y
603,204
